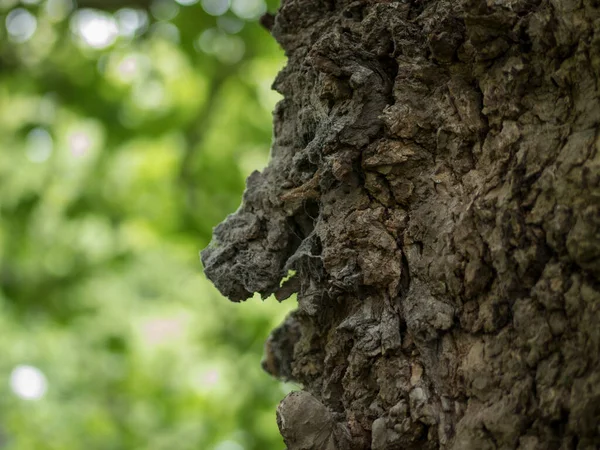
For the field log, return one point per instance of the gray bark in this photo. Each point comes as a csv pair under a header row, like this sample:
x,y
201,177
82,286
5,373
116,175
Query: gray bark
x,y
435,186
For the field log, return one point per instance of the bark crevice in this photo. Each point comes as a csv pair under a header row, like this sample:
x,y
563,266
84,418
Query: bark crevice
x,y
434,185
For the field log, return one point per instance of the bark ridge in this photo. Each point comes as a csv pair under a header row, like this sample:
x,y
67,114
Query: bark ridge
x,y
435,188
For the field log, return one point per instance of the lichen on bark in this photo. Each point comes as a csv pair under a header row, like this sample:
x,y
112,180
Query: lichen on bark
x,y
435,185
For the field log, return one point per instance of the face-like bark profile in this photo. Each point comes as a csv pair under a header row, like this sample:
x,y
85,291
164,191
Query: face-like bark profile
x,y
435,186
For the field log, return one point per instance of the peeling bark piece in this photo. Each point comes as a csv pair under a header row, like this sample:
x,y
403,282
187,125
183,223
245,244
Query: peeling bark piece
x,y
254,244
306,424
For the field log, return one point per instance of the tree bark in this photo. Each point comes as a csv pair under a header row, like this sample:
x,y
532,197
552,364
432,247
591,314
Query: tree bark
x,y
435,187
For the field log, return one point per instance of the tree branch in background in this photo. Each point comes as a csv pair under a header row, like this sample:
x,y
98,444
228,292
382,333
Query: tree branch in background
x,y
196,131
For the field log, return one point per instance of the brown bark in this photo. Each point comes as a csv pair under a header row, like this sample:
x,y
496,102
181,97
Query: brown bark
x,y
435,184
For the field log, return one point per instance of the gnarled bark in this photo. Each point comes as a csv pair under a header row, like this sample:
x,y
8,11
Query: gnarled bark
x,y
435,186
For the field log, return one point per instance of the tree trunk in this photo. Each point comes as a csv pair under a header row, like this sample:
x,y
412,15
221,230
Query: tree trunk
x,y
435,188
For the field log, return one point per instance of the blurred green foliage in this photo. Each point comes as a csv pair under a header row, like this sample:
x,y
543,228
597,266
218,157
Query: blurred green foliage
x,y
126,133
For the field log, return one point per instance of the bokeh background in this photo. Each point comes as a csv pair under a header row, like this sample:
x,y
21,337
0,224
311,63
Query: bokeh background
x,y
127,129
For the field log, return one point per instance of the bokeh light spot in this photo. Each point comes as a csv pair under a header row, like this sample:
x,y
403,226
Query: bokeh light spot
x,y
229,49
211,377
166,31
226,48
215,7
128,67
97,29
158,331
230,25
39,145
28,382
58,10
20,24
131,21
249,9
204,42
131,66
79,143
164,9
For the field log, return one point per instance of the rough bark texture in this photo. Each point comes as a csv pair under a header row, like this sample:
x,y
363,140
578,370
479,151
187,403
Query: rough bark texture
x,y
435,186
